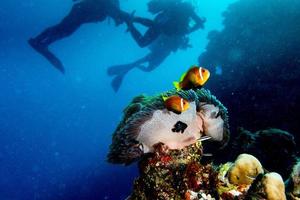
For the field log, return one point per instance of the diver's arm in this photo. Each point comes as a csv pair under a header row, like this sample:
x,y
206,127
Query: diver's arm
x,y
199,22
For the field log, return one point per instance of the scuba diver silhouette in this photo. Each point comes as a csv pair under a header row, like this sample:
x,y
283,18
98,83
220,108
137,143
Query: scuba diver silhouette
x,y
83,11
165,34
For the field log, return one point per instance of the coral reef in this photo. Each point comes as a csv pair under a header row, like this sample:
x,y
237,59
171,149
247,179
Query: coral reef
x,y
179,152
258,51
275,148
179,174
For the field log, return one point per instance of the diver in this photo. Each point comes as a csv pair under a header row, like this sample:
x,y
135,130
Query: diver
x,y
173,18
83,11
165,34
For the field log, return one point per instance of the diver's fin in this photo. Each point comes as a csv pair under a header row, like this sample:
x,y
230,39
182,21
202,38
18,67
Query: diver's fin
x,y
176,85
117,82
43,50
119,69
55,62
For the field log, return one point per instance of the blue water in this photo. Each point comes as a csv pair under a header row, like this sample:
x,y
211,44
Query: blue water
x,y
55,129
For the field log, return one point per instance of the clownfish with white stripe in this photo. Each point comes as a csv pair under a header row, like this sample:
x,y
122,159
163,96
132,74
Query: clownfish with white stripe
x,y
194,78
176,104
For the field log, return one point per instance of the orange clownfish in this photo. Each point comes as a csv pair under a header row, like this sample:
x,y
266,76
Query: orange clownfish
x,y
176,104
194,78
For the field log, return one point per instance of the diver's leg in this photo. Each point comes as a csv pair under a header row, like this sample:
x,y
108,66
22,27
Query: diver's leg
x,y
121,69
41,43
119,72
55,33
65,28
50,35
44,51
143,40
154,60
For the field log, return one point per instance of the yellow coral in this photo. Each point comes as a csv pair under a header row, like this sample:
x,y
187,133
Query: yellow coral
x,y
244,170
274,186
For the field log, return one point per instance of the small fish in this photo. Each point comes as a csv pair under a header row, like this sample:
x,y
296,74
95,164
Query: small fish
x,y
195,77
176,104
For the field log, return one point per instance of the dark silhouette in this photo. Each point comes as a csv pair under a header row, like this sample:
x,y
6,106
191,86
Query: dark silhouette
x,y
85,11
166,34
260,57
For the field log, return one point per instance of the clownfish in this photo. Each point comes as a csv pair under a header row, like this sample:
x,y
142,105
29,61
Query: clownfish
x,y
194,78
176,104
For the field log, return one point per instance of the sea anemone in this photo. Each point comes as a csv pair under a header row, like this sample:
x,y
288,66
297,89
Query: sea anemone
x,y
147,122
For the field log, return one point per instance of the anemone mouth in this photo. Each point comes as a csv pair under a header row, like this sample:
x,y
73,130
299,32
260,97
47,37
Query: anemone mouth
x,y
160,129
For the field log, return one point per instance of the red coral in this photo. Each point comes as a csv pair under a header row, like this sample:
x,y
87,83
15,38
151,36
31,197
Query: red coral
x,y
187,195
165,159
192,175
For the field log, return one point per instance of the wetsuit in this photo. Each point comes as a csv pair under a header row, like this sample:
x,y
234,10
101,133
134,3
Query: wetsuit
x,y
84,11
87,11
173,21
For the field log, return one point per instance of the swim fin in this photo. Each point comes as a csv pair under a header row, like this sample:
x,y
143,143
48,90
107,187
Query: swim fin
x,y
44,51
119,69
117,82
